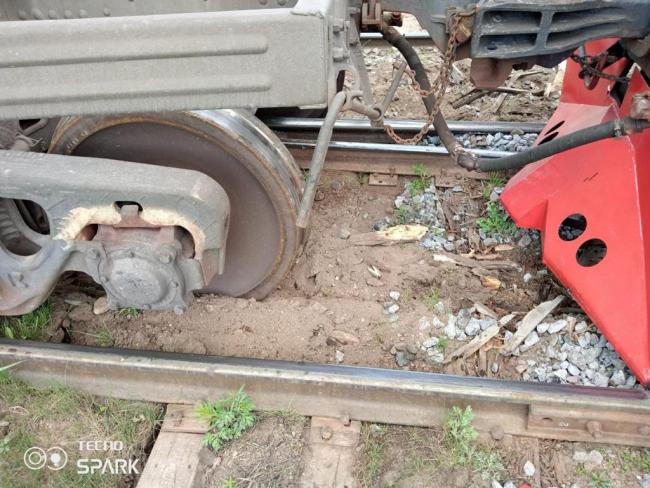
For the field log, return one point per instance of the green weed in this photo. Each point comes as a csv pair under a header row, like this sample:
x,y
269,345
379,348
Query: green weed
x,y
401,216
597,479
59,416
230,482
443,343
460,439
421,183
496,220
227,418
28,327
105,336
634,460
495,180
373,450
432,299
129,312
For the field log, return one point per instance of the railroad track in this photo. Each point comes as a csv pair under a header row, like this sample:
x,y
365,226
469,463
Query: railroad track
x,y
360,147
551,411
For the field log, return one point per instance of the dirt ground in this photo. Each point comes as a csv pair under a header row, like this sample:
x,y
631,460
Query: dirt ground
x,y
269,455
329,293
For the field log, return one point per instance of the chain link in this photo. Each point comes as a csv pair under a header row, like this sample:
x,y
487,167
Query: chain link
x,y
587,64
441,83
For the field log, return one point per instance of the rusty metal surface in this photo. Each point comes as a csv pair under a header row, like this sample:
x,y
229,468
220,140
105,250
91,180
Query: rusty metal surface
x,y
387,163
358,393
78,194
640,108
233,148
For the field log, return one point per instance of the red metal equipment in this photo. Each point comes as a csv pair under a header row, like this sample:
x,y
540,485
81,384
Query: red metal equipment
x,y
592,206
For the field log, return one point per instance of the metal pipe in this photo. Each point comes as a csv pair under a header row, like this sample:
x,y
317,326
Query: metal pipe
x,y
394,148
417,39
354,125
413,59
606,130
397,79
318,159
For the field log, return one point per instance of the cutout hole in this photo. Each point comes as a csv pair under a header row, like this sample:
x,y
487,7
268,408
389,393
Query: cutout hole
x,y
572,227
548,138
20,221
123,204
27,123
555,127
591,252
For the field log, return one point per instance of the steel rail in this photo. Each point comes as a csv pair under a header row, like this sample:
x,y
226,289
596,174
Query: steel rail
x,y
565,412
363,125
392,148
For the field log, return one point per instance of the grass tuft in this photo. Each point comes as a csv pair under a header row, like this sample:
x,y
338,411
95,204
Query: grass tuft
x,y
401,216
230,482
28,327
495,180
432,299
227,418
373,450
105,336
496,221
443,343
597,478
460,439
129,312
635,460
422,182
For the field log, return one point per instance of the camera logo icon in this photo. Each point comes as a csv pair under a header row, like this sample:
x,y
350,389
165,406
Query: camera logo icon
x,y
55,458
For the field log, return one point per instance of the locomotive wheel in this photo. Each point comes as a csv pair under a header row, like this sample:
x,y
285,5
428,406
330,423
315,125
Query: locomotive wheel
x,y
257,172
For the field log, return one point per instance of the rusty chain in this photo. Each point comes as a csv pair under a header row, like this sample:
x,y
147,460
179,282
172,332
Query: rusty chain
x,y
588,65
439,87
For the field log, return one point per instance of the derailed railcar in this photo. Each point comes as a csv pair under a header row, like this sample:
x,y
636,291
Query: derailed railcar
x,y
132,151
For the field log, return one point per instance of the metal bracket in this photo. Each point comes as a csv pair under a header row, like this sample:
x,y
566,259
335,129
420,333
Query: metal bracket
x,y
572,423
78,194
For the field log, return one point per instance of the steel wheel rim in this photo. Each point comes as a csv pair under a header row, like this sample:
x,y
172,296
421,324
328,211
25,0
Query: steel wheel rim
x,y
233,147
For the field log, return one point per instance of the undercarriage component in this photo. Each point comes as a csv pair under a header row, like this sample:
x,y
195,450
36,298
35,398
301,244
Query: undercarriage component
x,y
318,159
57,60
109,219
591,204
145,268
235,149
514,29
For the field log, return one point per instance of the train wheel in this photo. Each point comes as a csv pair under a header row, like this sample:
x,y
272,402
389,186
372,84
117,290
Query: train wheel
x,y
233,147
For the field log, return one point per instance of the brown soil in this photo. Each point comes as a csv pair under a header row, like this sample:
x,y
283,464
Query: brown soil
x,y
329,289
269,455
